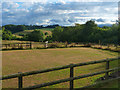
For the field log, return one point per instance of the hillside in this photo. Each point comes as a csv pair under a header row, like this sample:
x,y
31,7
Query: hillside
x,y
48,30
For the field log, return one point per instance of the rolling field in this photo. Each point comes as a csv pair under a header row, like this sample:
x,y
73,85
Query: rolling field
x,y
29,60
29,31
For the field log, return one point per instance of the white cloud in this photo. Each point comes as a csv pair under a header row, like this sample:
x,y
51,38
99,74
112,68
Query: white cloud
x,y
71,11
39,9
114,9
5,10
58,13
96,17
63,1
43,1
10,5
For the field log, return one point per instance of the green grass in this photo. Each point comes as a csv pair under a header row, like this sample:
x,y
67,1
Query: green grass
x,y
48,29
0,34
28,31
110,84
30,60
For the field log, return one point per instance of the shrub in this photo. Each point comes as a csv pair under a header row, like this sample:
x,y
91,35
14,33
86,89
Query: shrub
x,y
46,33
87,45
107,49
40,48
21,34
36,36
99,48
72,44
54,45
66,44
21,46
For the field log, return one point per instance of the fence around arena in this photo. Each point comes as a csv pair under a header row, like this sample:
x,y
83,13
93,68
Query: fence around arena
x,y
17,45
43,45
71,79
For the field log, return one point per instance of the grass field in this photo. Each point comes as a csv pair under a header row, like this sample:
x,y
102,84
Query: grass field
x,y
112,84
29,60
48,29
28,31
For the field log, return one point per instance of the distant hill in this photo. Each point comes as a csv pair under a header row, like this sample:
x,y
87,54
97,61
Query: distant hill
x,y
18,28
101,25
48,30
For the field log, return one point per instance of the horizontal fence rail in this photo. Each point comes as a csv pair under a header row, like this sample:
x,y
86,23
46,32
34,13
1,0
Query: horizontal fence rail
x,y
70,79
17,45
57,68
71,66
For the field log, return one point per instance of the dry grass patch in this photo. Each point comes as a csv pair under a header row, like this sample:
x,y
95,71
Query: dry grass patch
x,y
29,60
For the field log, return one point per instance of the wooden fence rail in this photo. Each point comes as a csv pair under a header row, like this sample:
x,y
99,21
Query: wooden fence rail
x,y
71,79
17,45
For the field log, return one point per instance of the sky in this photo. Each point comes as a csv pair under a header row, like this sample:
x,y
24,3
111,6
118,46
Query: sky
x,y
62,12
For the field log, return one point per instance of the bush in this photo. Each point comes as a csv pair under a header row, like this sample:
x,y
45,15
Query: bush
x,y
55,45
99,48
72,44
46,33
15,38
87,45
21,47
36,36
107,49
40,48
21,34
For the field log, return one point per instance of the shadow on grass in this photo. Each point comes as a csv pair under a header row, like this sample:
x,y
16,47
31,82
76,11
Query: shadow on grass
x,y
14,49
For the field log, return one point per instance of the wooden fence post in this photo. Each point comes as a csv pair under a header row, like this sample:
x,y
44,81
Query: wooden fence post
x,y
18,46
6,46
30,45
71,75
107,67
20,84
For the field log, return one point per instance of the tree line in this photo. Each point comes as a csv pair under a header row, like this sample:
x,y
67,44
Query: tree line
x,y
87,33
18,28
84,33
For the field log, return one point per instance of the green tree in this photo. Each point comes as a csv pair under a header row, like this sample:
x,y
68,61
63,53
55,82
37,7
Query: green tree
x,y
46,33
57,33
6,34
36,35
15,28
20,28
88,28
48,38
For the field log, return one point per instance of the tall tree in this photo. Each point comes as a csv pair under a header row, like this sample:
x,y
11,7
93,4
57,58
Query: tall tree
x,y
57,33
36,35
6,34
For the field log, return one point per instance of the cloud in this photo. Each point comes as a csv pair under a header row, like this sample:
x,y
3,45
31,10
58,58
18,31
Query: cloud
x,y
61,0
10,5
60,12
42,1
99,20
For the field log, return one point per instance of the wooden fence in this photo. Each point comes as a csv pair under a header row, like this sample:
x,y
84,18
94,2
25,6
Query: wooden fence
x,y
17,45
20,75
43,45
